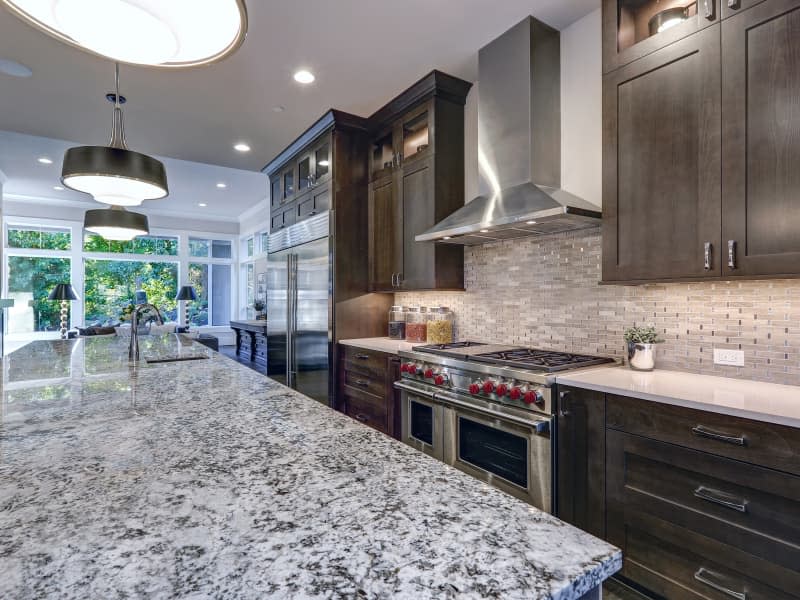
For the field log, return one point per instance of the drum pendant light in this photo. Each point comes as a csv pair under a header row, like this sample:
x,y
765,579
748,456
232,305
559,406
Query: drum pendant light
x,y
114,174
115,223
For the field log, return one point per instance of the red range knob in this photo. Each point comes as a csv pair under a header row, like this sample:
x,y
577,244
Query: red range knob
x,y
474,389
411,368
438,380
488,387
404,368
501,390
428,373
534,398
515,393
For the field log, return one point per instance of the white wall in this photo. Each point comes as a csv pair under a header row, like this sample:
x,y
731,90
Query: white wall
x,y
581,114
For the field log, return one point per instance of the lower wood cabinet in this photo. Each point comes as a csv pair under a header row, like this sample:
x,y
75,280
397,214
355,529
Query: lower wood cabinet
x,y
703,505
366,388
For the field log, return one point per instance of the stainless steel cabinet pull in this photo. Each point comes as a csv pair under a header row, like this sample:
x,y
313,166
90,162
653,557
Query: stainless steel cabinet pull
x,y
707,577
721,498
362,356
362,383
707,256
399,158
362,418
732,254
733,3
705,432
708,9
393,280
399,280
563,413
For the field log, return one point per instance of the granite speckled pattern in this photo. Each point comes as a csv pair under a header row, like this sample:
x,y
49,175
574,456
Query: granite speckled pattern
x,y
205,479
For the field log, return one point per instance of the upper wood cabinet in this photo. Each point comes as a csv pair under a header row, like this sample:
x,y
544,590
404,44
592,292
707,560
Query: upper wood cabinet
x,y
761,140
416,170
701,139
635,28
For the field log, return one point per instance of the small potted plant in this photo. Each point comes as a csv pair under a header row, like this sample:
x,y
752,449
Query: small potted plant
x,y
258,306
641,347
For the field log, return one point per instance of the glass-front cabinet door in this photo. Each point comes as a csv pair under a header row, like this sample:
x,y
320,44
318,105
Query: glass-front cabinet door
x,y
416,129
305,178
383,155
287,179
322,161
634,28
275,191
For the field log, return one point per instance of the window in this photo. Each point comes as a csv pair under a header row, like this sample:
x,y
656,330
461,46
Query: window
x,y
264,242
156,245
39,238
111,286
221,249
250,281
200,248
216,279
30,280
250,248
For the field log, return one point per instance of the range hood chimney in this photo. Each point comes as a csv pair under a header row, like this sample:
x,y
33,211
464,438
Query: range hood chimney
x,y
519,146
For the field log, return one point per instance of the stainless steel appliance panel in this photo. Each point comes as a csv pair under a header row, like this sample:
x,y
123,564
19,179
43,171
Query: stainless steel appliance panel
x,y
422,421
278,316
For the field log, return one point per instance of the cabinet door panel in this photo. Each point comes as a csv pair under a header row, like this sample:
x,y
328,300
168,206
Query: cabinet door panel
x,y
761,141
385,234
661,163
419,259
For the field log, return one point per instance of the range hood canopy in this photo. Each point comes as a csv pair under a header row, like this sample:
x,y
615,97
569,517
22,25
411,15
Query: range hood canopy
x,y
519,145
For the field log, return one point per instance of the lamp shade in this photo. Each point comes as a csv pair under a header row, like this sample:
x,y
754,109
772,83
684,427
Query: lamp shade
x,y
63,291
115,176
186,293
116,223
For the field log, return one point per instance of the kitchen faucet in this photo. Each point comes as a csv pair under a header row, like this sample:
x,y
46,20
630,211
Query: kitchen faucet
x,y
133,351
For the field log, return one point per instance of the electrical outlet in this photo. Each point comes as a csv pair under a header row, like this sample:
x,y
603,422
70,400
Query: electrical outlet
x,y
732,358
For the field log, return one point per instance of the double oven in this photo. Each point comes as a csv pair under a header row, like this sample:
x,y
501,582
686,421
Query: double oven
x,y
507,447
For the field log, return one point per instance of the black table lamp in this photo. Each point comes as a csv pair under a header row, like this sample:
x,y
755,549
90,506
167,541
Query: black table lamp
x,y
186,293
65,293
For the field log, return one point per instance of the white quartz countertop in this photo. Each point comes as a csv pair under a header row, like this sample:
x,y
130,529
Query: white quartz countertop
x,y
205,479
381,344
770,402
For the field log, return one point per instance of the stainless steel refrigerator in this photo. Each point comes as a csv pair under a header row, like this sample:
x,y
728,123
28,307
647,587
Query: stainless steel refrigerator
x,y
300,307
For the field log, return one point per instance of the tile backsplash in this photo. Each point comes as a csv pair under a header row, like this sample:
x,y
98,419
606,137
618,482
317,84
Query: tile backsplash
x,y
546,293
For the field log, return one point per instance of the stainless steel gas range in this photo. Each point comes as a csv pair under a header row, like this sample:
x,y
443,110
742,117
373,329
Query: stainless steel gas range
x,y
488,410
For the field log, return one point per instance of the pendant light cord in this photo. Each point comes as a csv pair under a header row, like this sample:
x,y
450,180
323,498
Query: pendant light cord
x,y
117,126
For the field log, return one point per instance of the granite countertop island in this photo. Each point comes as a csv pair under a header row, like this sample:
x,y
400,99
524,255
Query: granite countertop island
x,y
203,478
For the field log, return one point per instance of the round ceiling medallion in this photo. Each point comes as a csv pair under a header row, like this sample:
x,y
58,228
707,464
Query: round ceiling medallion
x,y
141,32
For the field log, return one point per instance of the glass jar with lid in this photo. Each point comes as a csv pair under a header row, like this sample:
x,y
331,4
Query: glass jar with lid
x,y
441,322
397,323
417,324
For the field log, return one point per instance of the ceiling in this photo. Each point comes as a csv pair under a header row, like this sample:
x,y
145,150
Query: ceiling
x,y
190,183
363,53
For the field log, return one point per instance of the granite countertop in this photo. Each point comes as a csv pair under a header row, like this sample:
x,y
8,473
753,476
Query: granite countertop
x,y
381,344
206,479
758,400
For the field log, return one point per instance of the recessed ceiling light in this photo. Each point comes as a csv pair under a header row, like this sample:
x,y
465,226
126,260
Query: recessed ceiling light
x,y
222,185
530,222
44,160
145,32
447,237
241,147
323,163
58,188
484,231
202,204
303,76
13,68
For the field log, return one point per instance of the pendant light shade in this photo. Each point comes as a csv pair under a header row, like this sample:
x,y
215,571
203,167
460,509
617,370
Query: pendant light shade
x,y
174,33
116,223
114,174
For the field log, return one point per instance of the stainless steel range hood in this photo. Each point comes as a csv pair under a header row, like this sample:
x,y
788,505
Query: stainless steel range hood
x,y
519,146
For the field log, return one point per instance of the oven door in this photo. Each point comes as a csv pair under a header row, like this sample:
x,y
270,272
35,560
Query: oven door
x,y
510,452
422,425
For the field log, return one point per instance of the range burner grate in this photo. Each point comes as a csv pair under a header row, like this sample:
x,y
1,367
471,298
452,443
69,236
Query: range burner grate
x,y
542,360
451,346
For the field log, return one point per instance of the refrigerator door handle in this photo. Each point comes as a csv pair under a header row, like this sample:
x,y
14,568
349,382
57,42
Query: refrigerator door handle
x,y
291,359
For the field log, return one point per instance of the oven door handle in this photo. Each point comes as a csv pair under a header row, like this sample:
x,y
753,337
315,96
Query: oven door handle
x,y
540,425
414,390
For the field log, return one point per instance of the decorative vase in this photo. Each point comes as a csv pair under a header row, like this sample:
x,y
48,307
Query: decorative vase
x,y
641,357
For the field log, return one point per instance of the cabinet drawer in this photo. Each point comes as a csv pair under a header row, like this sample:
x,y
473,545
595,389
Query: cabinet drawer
x,y
765,444
365,383
679,564
366,408
743,506
365,361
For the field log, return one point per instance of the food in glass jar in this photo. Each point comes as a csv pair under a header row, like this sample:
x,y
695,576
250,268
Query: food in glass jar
x,y
440,332
416,332
397,330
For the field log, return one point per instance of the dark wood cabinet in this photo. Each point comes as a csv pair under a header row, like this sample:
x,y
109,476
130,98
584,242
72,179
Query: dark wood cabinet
x,y
701,504
761,140
580,459
661,162
700,142
366,388
417,179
